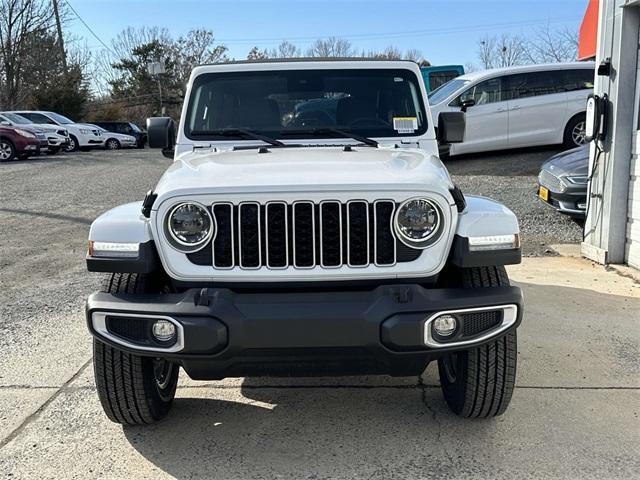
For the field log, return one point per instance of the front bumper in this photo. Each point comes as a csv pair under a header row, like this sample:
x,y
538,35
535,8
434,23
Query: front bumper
x,y
222,333
572,202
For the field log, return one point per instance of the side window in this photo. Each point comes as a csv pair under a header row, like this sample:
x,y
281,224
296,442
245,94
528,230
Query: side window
x,y
579,79
38,118
489,91
535,84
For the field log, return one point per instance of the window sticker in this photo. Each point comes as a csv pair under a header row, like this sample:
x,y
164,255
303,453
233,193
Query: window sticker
x,y
405,124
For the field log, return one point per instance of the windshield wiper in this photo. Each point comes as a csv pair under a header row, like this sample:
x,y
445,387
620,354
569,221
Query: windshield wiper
x,y
234,131
342,133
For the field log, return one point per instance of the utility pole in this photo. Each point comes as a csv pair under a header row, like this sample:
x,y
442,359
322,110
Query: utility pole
x,y
60,41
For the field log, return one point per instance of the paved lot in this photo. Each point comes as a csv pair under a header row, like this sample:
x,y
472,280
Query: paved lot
x,y
574,413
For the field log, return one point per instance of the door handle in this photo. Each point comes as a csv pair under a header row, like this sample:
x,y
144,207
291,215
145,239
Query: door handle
x,y
517,107
501,109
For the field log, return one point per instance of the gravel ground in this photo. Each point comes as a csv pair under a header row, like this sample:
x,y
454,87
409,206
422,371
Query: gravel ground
x,y
510,177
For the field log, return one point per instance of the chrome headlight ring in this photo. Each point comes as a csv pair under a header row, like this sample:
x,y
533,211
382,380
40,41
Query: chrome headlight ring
x,y
433,214
179,243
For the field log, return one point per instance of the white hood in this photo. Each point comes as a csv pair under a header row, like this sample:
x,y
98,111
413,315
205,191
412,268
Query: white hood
x,y
303,169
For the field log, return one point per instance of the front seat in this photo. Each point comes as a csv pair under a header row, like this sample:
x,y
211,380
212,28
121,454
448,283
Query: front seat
x,y
260,113
351,109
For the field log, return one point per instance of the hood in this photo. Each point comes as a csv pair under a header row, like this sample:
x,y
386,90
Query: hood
x,y
304,169
571,162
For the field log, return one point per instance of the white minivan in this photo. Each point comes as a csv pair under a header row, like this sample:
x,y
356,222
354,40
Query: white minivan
x,y
518,106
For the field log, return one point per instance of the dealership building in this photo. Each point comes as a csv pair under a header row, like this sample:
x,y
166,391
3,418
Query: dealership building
x,y
611,32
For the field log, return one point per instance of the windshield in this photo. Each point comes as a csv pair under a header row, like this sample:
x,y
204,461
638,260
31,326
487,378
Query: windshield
x,y
17,119
59,118
306,103
443,92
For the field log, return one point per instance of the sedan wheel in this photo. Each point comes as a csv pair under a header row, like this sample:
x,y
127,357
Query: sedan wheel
x,y
7,152
112,144
72,146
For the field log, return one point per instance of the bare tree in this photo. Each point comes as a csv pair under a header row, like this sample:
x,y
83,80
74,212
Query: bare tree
x,y
18,19
286,49
197,47
502,51
551,46
331,47
256,54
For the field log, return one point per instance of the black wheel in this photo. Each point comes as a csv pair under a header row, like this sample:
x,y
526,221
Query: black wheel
x,y
73,144
7,150
133,390
575,132
479,383
112,144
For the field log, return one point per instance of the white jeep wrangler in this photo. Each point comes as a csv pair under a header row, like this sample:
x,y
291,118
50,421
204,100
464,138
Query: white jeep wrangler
x,y
306,227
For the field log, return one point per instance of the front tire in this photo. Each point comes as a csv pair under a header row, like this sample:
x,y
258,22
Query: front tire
x,y
7,150
479,383
112,144
133,390
73,144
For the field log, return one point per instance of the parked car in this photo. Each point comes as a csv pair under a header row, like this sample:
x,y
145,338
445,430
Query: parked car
x,y
519,106
80,135
267,249
126,128
115,141
563,182
20,142
57,137
437,75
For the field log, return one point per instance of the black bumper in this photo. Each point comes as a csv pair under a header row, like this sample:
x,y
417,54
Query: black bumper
x,y
229,334
571,202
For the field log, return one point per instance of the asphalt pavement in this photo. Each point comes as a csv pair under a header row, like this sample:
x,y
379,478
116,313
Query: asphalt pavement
x,y
574,413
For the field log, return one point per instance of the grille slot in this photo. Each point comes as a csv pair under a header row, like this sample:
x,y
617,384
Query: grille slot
x,y
304,234
330,234
249,235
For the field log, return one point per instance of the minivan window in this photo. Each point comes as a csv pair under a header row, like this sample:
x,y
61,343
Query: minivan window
x,y
578,79
483,93
534,84
37,118
443,92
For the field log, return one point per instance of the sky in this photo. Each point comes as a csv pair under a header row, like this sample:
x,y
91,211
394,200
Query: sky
x,y
446,31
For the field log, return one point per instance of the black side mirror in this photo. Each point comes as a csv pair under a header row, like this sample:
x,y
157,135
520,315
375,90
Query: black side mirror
x,y
161,133
466,104
451,127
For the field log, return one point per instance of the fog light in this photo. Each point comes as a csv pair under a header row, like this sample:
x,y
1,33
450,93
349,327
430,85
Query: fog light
x,y
445,325
163,330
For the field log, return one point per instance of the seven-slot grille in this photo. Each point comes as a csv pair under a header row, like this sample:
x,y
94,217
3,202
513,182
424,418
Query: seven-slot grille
x,y
304,234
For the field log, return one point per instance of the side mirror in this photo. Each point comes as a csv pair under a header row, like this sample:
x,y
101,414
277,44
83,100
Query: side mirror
x,y
466,104
161,133
451,127
4,123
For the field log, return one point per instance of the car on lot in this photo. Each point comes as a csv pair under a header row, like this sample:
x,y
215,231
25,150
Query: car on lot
x,y
519,106
437,75
20,142
57,137
125,128
80,135
115,141
341,247
563,182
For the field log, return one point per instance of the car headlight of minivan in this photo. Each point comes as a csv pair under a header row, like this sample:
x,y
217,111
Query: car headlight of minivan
x,y
418,222
85,131
189,226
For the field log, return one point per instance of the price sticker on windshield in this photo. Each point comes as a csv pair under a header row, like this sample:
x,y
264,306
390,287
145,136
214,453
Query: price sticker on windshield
x,y
405,124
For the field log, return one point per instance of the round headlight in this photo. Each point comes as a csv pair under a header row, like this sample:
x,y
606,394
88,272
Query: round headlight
x,y
417,222
189,225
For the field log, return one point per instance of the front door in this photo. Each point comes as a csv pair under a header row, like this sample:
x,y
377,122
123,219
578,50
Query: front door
x,y
487,121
